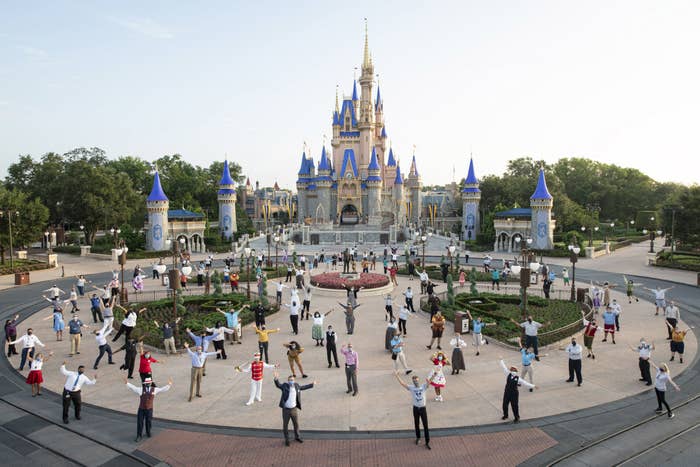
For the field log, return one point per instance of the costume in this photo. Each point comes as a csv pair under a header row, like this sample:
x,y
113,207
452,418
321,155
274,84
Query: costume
x,y
457,344
436,376
317,328
255,368
35,376
58,324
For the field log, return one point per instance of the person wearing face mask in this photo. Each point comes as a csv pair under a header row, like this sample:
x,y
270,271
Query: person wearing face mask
x,y
219,330
330,346
663,377
199,358
255,368
477,326
397,352
349,310
168,330
71,389
201,341
35,377
527,356
294,314
531,327
290,403
29,342
317,327
146,393
589,334
131,349
145,363
294,351
437,377
352,361
458,344
103,346
574,351
129,322
75,331
420,413
264,339
644,349
511,393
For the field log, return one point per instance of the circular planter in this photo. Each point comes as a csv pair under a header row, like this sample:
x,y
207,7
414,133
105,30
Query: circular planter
x,y
331,283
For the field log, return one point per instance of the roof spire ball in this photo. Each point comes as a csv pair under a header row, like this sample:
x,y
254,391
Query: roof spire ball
x,y
157,193
541,191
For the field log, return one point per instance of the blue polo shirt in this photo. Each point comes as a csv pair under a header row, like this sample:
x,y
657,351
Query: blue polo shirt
x,y
527,357
395,341
232,319
477,325
609,317
75,325
95,302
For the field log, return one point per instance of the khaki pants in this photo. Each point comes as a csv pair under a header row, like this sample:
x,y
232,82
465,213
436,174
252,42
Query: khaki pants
x,y
195,379
74,343
528,369
169,345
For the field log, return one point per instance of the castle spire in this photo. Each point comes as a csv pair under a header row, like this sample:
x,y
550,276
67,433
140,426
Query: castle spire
x,y
354,89
367,59
337,108
541,192
157,193
226,179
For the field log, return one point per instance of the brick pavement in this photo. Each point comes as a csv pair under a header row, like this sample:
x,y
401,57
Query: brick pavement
x,y
182,448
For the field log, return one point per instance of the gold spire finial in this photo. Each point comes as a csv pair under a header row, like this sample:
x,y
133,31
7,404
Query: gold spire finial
x,y
337,109
367,61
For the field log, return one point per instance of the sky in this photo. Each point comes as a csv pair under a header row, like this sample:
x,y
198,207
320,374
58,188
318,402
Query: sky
x,y
614,81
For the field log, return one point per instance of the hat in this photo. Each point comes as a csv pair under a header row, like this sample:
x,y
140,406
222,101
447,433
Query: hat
x,y
513,368
148,381
256,354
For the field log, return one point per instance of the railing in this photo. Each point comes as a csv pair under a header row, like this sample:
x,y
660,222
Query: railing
x,y
557,293
165,292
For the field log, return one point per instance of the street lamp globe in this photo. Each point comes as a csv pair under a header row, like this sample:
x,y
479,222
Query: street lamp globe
x,y
46,233
515,269
423,238
82,227
576,250
277,238
659,232
612,224
583,228
517,239
645,231
182,241
529,241
596,228
452,249
652,218
111,230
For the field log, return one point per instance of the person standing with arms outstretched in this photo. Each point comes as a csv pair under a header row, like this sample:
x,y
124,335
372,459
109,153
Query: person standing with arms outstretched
x,y
29,342
677,344
290,403
294,351
103,347
352,361
663,377
644,349
420,414
477,326
71,389
531,328
294,314
574,351
264,339
511,393
672,315
629,287
659,297
255,368
349,311
199,358
397,352
146,393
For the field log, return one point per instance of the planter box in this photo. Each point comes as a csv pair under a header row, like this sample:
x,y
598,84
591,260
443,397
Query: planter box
x,y
21,278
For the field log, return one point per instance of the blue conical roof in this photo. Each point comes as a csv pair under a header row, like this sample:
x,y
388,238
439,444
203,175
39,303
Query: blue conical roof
x,y
383,132
157,193
414,167
304,169
541,192
399,179
354,90
373,162
323,164
378,103
391,162
226,178
471,177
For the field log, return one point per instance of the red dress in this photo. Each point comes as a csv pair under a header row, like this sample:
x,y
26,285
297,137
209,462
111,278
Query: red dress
x,y
35,376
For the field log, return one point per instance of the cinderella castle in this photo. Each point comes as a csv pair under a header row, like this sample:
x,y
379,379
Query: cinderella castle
x,y
359,182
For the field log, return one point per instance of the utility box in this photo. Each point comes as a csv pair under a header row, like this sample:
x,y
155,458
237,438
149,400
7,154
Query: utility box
x,y
21,278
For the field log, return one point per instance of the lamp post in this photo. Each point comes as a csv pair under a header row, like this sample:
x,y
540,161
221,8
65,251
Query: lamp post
x,y
527,257
247,252
82,233
612,226
115,234
9,213
121,254
574,250
652,234
277,244
174,279
47,234
452,249
627,230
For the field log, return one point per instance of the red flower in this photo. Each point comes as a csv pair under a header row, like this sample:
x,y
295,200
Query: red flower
x,y
332,280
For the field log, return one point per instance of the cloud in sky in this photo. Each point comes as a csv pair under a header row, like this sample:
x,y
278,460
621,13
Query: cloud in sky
x,y
33,52
143,25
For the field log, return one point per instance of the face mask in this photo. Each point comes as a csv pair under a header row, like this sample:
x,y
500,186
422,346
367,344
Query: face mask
x,y
80,372
529,320
29,333
439,358
148,355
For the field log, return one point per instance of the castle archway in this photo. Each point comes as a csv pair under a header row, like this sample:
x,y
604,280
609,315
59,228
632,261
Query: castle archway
x,y
349,215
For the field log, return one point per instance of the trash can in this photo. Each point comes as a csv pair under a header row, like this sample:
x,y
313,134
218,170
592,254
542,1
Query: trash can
x,y
581,295
21,278
461,322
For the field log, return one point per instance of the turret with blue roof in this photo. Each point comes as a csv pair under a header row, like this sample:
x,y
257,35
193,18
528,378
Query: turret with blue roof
x,y
226,184
541,224
391,162
373,169
471,197
541,191
399,179
471,183
157,193
157,227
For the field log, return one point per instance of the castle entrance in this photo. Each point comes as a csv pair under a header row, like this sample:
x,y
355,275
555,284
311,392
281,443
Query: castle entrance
x,y
349,215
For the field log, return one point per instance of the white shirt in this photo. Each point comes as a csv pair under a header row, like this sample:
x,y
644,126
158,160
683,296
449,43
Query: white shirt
x,y
408,293
280,287
319,320
521,382
574,351
387,301
457,342
291,401
80,282
54,291
661,380
130,319
101,336
106,293
28,341
293,308
672,311
418,393
307,295
644,350
73,295
220,332
531,328
36,365
139,390
660,294
74,381
423,276
616,307
403,313
198,359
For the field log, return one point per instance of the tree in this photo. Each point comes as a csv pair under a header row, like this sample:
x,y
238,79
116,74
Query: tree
x,y
29,218
687,225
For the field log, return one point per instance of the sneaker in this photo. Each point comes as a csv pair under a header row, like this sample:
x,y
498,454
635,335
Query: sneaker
x,y
658,410
428,346
671,415
304,376
427,446
417,441
671,359
439,348
681,360
249,403
531,389
477,354
408,372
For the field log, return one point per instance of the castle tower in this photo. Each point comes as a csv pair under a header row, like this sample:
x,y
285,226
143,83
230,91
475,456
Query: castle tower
x,y
471,195
414,184
157,205
390,169
323,189
397,195
227,204
302,183
374,186
541,203
366,120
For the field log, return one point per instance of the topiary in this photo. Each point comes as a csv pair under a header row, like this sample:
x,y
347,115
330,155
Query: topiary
x,y
216,280
450,291
472,282
263,297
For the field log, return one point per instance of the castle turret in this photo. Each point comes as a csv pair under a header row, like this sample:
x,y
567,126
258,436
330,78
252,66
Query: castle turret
x,y
366,120
227,204
374,186
398,198
323,183
541,203
157,205
471,196
302,183
414,185
390,169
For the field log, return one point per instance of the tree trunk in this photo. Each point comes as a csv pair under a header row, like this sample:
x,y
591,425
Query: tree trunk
x,y
2,254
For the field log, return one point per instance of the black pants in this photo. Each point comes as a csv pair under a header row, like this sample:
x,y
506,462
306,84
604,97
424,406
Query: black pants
x,y
389,311
617,322
661,399
288,414
262,346
409,304
11,349
25,351
129,362
330,350
351,377
69,396
346,267
103,348
156,274
305,305
279,298
294,319
420,414
144,416
200,282
96,314
402,326
672,322
259,320
532,341
126,330
575,367
219,345
512,399
145,375
644,370
289,276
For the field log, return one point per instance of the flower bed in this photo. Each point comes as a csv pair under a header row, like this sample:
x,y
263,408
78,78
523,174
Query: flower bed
x,y
332,280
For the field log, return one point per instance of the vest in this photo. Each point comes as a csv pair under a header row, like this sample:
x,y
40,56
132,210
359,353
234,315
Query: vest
x,y
147,396
589,330
330,338
512,384
256,370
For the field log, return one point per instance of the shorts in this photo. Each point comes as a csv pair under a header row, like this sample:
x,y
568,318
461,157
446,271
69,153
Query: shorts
x,y
588,341
610,328
661,303
394,356
677,347
437,333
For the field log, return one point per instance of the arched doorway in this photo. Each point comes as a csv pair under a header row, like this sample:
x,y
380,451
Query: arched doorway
x,y
349,215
